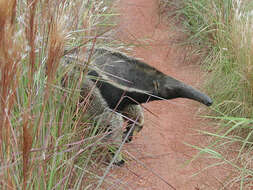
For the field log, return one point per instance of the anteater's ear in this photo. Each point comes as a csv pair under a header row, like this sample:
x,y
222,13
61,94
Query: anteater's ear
x,y
170,92
168,87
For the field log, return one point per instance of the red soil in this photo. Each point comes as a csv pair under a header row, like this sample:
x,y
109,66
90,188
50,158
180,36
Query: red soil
x,y
159,148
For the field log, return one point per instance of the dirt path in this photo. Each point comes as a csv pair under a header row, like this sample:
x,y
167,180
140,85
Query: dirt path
x,y
160,147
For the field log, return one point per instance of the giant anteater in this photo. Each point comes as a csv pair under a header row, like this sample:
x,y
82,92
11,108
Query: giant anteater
x,y
123,83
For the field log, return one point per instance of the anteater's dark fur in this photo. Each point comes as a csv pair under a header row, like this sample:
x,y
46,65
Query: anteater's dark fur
x,y
119,75
122,83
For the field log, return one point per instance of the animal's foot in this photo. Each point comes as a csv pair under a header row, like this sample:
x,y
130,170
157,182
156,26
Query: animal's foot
x,y
119,163
130,133
118,160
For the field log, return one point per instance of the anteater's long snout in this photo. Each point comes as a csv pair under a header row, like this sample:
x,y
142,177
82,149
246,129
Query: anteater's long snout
x,y
187,91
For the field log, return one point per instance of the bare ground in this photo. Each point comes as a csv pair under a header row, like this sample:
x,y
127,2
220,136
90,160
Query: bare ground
x,y
159,157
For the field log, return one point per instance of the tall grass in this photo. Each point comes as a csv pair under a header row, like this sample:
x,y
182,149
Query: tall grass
x,y
222,30
44,141
231,152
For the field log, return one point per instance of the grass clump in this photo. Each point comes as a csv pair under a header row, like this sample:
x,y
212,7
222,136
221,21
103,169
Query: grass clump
x,y
231,152
222,31
44,142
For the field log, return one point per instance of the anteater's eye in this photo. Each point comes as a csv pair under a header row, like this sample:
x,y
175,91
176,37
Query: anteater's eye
x,y
156,86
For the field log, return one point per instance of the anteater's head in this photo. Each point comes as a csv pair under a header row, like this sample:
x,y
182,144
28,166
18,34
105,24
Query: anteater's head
x,y
171,88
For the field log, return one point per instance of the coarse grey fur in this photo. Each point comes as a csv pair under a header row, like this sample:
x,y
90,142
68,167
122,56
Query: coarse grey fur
x,y
101,112
98,107
103,115
135,120
123,81
135,115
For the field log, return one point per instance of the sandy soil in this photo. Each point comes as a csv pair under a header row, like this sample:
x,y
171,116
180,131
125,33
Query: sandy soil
x,y
160,152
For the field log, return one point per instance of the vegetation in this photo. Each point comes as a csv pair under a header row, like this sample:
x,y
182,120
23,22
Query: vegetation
x,y
44,141
222,30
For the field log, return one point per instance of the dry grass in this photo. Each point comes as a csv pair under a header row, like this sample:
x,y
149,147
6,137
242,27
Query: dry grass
x,y
44,141
223,32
